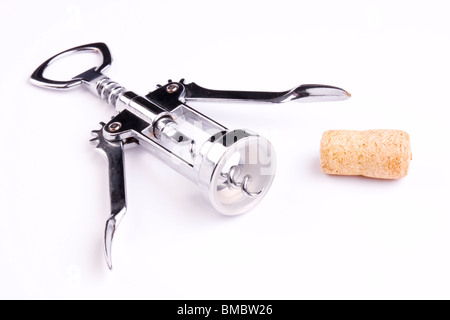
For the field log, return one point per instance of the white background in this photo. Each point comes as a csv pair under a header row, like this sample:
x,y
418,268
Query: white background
x,y
313,237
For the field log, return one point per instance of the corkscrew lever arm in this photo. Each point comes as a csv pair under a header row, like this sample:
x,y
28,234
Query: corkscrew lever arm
x,y
302,93
113,152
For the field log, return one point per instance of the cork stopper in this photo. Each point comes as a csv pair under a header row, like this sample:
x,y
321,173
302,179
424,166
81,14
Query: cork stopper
x,y
382,154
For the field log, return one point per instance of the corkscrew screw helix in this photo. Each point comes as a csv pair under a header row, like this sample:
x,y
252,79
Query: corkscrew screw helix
x,y
234,169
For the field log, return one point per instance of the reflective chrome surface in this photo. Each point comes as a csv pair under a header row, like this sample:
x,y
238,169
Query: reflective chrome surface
x,y
113,151
236,170
38,78
233,168
303,93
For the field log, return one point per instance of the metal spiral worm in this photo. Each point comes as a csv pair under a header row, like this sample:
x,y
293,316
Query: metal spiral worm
x,y
231,179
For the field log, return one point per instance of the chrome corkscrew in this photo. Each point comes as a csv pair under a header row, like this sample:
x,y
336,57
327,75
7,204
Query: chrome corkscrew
x,y
234,169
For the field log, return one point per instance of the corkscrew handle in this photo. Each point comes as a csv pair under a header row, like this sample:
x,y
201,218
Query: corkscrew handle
x,y
38,78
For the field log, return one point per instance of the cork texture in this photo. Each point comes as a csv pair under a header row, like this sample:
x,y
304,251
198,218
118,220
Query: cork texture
x,y
382,154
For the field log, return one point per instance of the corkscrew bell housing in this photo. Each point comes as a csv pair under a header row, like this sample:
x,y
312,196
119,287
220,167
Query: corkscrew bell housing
x,y
234,169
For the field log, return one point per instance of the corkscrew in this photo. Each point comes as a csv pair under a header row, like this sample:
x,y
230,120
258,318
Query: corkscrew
x,y
234,169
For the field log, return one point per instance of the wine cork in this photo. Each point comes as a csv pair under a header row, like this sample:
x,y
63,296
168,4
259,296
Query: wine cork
x,y
382,154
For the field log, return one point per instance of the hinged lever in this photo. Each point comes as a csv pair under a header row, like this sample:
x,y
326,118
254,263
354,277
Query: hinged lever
x,y
302,93
113,151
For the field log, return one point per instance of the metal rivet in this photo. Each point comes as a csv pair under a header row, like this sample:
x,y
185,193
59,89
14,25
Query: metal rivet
x,y
171,88
113,127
